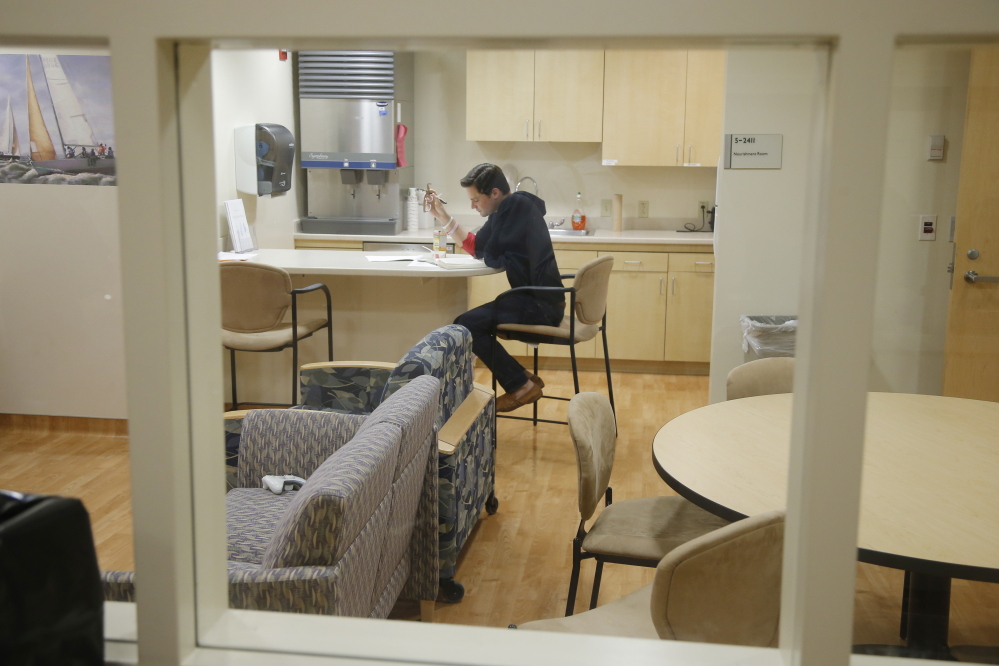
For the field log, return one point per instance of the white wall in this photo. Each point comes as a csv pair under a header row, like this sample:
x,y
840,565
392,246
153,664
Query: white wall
x,y
759,235
759,231
249,87
61,336
929,94
443,157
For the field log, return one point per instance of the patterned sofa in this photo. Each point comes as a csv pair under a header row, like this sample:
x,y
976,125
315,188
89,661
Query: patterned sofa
x,y
466,423
351,540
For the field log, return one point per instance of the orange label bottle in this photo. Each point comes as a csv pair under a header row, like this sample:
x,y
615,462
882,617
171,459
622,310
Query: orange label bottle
x,y
578,218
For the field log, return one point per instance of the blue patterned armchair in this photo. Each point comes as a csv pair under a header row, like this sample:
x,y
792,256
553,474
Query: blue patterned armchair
x,y
466,423
352,539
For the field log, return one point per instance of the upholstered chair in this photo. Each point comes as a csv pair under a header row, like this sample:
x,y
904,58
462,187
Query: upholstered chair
x,y
256,299
350,541
465,419
586,315
634,531
761,377
722,587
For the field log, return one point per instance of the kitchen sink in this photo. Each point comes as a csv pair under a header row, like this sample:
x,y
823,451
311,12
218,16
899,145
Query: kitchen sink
x,y
570,232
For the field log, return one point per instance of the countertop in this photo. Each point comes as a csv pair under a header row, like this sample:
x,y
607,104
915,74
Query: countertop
x,y
352,262
599,236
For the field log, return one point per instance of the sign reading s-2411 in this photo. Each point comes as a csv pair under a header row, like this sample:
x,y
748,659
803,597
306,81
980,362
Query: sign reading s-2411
x,y
753,151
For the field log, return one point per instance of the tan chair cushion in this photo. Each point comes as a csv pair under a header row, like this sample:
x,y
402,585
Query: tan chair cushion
x,y
273,339
648,528
723,587
583,331
761,377
628,617
255,297
594,437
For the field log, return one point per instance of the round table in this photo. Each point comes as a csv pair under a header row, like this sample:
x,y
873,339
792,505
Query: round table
x,y
929,496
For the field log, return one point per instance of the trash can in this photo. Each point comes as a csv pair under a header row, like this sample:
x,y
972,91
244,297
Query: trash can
x,y
766,336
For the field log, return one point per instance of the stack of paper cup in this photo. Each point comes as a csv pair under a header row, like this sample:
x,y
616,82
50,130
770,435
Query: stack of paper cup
x,y
413,206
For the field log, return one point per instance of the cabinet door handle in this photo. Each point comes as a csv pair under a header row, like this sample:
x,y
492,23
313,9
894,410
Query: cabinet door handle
x,y
690,154
704,263
539,129
633,261
672,286
527,130
660,286
677,158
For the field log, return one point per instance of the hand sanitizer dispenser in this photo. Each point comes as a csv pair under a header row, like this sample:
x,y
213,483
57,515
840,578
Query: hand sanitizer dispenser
x,y
265,154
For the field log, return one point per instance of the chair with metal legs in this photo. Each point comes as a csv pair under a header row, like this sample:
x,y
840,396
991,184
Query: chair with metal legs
x,y
255,300
585,317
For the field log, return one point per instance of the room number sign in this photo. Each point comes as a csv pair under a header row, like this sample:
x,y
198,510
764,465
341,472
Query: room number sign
x,y
753,151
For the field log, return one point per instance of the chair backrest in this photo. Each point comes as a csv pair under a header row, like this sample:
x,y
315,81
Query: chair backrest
x,y
723,587
592,280
761,377
592,428
255,297
444,353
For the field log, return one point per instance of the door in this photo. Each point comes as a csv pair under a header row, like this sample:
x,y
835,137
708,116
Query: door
x,y
499,97
568,95
971,355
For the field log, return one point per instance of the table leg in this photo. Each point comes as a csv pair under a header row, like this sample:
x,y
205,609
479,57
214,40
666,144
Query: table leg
x,y
928,612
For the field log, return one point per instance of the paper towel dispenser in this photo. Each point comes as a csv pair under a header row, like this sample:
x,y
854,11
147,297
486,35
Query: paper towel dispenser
x,y
265,154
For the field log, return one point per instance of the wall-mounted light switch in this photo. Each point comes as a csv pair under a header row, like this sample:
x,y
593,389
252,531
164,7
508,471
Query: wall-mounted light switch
x,y
927,227
936,148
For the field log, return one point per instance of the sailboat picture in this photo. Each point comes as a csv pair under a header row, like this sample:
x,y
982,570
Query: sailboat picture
x,y
56,123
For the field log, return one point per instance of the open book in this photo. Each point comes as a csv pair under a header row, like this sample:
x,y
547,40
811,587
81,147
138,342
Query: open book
x,y
459,261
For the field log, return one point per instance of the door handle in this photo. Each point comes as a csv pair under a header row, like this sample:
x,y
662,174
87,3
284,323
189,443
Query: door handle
x,y
527,130
973,277
678,154
660,286
690,154
539,129
672,286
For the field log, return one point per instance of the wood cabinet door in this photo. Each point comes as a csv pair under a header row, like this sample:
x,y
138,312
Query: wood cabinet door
x,y
702,136
499,96
644,94
636,315
568,95
688,316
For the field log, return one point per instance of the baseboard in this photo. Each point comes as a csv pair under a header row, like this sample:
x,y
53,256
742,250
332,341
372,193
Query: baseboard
x,y
71,424
597,365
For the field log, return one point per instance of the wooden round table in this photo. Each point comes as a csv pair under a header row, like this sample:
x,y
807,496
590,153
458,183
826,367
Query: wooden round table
x,y
929,496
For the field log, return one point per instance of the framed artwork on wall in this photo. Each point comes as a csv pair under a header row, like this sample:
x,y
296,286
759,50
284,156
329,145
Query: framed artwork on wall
x,y
56,121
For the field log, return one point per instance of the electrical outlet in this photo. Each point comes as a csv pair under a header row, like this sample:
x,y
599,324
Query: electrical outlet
x,y
605,208
703,207
643,209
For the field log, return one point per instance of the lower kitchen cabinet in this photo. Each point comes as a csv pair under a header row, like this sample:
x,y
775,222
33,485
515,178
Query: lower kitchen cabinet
x,y
689,301
636,312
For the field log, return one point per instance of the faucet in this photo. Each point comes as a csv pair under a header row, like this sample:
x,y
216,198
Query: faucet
x,y
517,189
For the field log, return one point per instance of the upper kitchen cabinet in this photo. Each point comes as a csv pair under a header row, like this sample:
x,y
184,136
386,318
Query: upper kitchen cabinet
x,y
534,95
663,108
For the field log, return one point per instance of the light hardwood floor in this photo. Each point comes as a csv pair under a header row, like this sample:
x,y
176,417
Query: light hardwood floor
x,y
516,565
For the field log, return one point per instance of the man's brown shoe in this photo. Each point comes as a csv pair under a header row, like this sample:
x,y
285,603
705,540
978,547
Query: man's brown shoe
x,y
507,402
534,378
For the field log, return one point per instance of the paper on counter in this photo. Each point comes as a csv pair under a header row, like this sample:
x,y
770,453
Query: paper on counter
x,y
236,256
390,257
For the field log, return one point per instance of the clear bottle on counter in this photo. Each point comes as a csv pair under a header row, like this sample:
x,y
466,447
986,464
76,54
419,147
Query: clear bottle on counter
x,y
440,243
578,218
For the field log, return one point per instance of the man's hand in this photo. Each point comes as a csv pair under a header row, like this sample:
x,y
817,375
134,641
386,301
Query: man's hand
x,y
432,203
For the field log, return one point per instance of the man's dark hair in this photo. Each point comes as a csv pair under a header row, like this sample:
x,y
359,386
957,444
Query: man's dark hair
x,y
485,177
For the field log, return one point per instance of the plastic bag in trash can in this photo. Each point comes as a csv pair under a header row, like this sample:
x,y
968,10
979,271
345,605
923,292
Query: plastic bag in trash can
x,y
769,335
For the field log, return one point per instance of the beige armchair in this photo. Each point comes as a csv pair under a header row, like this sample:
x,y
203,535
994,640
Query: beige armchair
x,y
722,587
255,301
761,377
636,531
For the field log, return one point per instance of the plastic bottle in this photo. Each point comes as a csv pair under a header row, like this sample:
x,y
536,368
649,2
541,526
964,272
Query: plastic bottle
x,y
578,218
440,243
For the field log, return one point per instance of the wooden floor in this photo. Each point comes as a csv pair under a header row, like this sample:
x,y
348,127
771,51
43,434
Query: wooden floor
x,y
516,564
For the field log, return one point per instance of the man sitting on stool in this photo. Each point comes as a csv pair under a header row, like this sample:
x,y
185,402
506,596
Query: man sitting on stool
x,y
516,239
